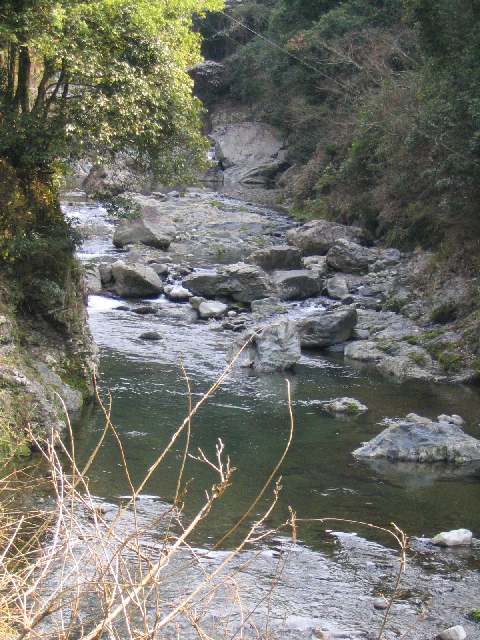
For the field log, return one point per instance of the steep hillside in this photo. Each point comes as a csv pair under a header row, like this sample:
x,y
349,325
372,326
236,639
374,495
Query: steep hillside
x,y
377,104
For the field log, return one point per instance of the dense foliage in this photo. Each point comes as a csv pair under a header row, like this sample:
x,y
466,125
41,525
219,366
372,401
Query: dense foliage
x,y
89,78
380,101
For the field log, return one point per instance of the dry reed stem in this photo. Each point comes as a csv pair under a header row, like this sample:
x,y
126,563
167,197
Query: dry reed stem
x,y
76,553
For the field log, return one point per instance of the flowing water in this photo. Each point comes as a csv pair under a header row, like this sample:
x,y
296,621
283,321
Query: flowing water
x,y
250,414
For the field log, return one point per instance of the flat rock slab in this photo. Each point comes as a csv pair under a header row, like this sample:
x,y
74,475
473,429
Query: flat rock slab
x,y
317,237
422,442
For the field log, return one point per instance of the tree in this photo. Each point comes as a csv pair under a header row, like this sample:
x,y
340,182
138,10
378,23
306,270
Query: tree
x,y
99,76
87,78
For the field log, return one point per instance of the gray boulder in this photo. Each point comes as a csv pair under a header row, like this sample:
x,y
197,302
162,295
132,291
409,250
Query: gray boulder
x,y
93,280
337,287
275,347
212,309
349,257
329,328
297,284
140,232
277,257
106,276
453,633
135,280
455,538
427,441
196,301
316,263
204,283
242,282
316,237
177,293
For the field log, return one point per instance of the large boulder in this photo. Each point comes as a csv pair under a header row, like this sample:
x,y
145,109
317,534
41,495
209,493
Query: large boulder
x,y
275,347
421,440
316,237
349,257
135,280
249,152
329,328
140,232
242,282
297,284
277,257
204,283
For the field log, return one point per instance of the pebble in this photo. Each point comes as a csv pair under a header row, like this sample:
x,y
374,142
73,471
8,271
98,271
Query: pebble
x,y
456,538
380,603
150,335
454,633
145,310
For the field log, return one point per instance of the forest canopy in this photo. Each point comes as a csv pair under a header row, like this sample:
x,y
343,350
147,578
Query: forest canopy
x,y
99,76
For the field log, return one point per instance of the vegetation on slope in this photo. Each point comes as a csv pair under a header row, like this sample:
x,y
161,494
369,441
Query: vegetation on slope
x,y
380,103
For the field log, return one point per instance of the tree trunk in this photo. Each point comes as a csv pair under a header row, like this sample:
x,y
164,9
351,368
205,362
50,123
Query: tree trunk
x,y
22,97
11,66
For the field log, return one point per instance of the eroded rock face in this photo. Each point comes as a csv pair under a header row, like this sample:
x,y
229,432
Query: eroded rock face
x,y
277,257
325,329
349,257
427,441
275,347
249,152
141,232
135,280
317,237
297,284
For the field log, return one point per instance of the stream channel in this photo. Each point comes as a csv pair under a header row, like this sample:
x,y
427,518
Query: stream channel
x,y
331,577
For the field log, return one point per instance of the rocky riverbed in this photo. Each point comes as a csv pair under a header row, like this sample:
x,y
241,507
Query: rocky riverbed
x,y
200,273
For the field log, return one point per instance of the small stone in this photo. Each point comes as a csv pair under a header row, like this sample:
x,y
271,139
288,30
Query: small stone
x,y
196,301
177,293
232,314
454,633
380,603
150,335
145,310
455,538
122,307
344,406
212,309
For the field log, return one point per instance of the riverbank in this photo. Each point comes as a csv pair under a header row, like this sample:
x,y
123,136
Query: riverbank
x,y
249,414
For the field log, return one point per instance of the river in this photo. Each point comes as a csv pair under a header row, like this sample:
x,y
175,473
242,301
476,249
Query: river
x,y
331,577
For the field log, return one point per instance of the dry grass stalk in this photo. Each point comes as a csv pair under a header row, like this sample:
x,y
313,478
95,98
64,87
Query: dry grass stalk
x,y
72,571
